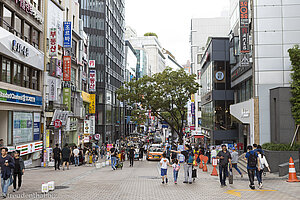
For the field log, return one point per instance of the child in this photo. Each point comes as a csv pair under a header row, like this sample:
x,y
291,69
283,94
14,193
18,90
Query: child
x,y
176,167
164,162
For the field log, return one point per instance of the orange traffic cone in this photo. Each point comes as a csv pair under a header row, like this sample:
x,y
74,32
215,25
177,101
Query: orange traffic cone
x,y
205,159
214,164
201,163
292,172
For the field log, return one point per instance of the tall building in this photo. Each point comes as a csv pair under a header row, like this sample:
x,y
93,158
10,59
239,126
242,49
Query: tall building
x,y
260,68
103,21
171,61
21,76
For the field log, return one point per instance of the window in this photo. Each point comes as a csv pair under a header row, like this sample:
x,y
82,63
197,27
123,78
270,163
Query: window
x,y
199,106
6,75
35,38
74,47
22,127
73,21
18,26
7,16
27,32
26,77
17,74
35,79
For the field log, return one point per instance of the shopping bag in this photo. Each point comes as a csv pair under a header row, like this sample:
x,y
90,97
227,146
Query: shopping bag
x,y
230,177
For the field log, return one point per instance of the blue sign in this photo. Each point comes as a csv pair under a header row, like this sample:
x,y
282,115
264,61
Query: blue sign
x,y
36,131
19,97
67,35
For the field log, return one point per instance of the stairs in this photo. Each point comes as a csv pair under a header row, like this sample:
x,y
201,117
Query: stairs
x,y
242,164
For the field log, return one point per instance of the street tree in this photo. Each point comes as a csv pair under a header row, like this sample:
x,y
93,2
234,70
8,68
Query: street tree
x,y
165,94
151,34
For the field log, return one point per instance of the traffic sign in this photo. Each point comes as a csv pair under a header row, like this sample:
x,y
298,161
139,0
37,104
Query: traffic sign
x,y
57,123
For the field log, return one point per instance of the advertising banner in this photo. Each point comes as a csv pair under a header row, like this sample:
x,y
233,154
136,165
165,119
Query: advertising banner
x,y
53,42
36,126
244,26
92,80
52,89
92,125
67,35
67,98
86,127
92,107
30,147
47,138
20,98
55,19
67,68
52,66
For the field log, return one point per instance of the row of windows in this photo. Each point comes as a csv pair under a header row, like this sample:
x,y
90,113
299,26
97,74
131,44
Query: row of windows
x,y
93,22
18,74
98,57
96,40
18,26
93,5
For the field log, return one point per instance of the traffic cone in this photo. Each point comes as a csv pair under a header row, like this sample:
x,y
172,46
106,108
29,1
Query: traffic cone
x,y
214,164
292,172
205,159
201,163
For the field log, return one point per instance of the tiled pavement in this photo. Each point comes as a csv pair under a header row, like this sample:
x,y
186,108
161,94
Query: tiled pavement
x,y
143,182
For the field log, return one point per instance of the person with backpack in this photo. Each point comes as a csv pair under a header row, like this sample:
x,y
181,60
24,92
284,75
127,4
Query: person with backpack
x,y
252,165
225,158
263,164
188,164
176,168
113,155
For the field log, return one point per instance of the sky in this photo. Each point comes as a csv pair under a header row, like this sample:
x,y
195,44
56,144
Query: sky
x,y
171,20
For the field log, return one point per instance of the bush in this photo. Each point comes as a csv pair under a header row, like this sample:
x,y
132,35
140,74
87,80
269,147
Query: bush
x,y
280,147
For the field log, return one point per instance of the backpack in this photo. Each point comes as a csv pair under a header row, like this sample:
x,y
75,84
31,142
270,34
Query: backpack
x,y
190,158
252,160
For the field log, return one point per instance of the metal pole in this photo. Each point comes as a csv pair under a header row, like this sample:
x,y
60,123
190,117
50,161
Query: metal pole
x,y
294,136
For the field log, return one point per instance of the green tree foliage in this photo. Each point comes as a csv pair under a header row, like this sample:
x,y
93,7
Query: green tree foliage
x,y
166,94
295,84
151,34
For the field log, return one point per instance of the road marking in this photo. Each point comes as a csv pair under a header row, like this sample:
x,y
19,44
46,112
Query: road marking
x,y
238,194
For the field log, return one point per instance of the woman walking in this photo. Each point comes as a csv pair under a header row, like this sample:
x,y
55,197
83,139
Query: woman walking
x,y
263,163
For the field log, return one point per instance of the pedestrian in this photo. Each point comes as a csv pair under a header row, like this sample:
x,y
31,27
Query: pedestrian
x,y
76,156
164,162
263,164
255,147
141,153
213,153
56,156
71,156
252,163
176,168
173,154
235,160
131,156
66,153
86,156
7,164
225,158
18,170
102,151
113,156
95,155
188,163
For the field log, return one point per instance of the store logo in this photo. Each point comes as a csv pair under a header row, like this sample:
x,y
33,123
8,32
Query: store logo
x,y
220,76
19,48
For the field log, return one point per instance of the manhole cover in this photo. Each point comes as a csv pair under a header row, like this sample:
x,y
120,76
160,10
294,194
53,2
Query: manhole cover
x,y
61,187
149,177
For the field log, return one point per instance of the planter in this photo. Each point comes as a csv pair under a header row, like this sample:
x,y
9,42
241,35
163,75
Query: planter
x,y
275,158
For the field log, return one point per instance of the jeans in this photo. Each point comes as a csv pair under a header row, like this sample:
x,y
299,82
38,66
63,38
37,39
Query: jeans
x,y
188,172
56,163
4,185
113,162
223,171
19,175
131,161
76,160
259,175
234,165
251,173
175,173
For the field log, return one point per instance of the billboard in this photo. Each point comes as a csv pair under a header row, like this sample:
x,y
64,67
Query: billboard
x,y
67,98
67,68
92,107
244,26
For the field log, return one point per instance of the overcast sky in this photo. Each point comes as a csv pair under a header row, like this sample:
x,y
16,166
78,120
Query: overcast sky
x,y
171,20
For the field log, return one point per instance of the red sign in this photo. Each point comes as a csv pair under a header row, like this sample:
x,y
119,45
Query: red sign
x,y
53,42
91,63
57,123
67,68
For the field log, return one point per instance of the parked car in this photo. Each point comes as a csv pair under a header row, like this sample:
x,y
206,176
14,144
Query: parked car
x,y
154,153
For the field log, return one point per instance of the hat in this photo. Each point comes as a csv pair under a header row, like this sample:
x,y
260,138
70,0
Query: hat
x,y
233,148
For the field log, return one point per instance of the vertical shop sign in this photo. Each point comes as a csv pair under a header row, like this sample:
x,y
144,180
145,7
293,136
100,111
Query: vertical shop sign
x,y
91,63
86,127
36,126
244,26
47,138
92,125
67,98
53,42
52,67
67,35
92,80
52,89
67,68
92,107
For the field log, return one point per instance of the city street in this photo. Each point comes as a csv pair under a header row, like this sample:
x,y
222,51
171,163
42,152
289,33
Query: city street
x,y
143,182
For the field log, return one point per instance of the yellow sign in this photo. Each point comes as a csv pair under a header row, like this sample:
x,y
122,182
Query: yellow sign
x,y
47,138
85,97
193,98
238,194
92,108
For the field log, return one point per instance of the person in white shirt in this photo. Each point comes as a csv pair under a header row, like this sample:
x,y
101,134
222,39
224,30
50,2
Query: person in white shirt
x,y
213,153
164,162
263,163
76,156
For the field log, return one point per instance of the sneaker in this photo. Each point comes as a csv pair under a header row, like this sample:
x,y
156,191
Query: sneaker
x,y
222,185
185,182
225,184
260,186
175,182
241,175
163,182
190,182
252,187
166,180
14,190
18,188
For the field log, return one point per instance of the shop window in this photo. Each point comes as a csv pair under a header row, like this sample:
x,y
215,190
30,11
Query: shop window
x,y
22,127
7,18
26,77
35,38
27,32
6,69
35,79
73,75
17,74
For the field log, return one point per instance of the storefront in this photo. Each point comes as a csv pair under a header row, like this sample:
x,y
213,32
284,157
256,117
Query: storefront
x,y
20,96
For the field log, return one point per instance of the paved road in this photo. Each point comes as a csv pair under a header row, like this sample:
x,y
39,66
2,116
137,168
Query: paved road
x,y
143,182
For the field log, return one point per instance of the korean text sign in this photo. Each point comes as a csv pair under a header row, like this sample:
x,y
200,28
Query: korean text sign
x,y
67,35
53,42
67,68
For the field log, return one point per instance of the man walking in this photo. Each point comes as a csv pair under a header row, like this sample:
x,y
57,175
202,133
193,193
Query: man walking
x,y
225,158
66,153
235,160
6,164
131,156
56,156
113,155
252,163
188,164
18,170
76,156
